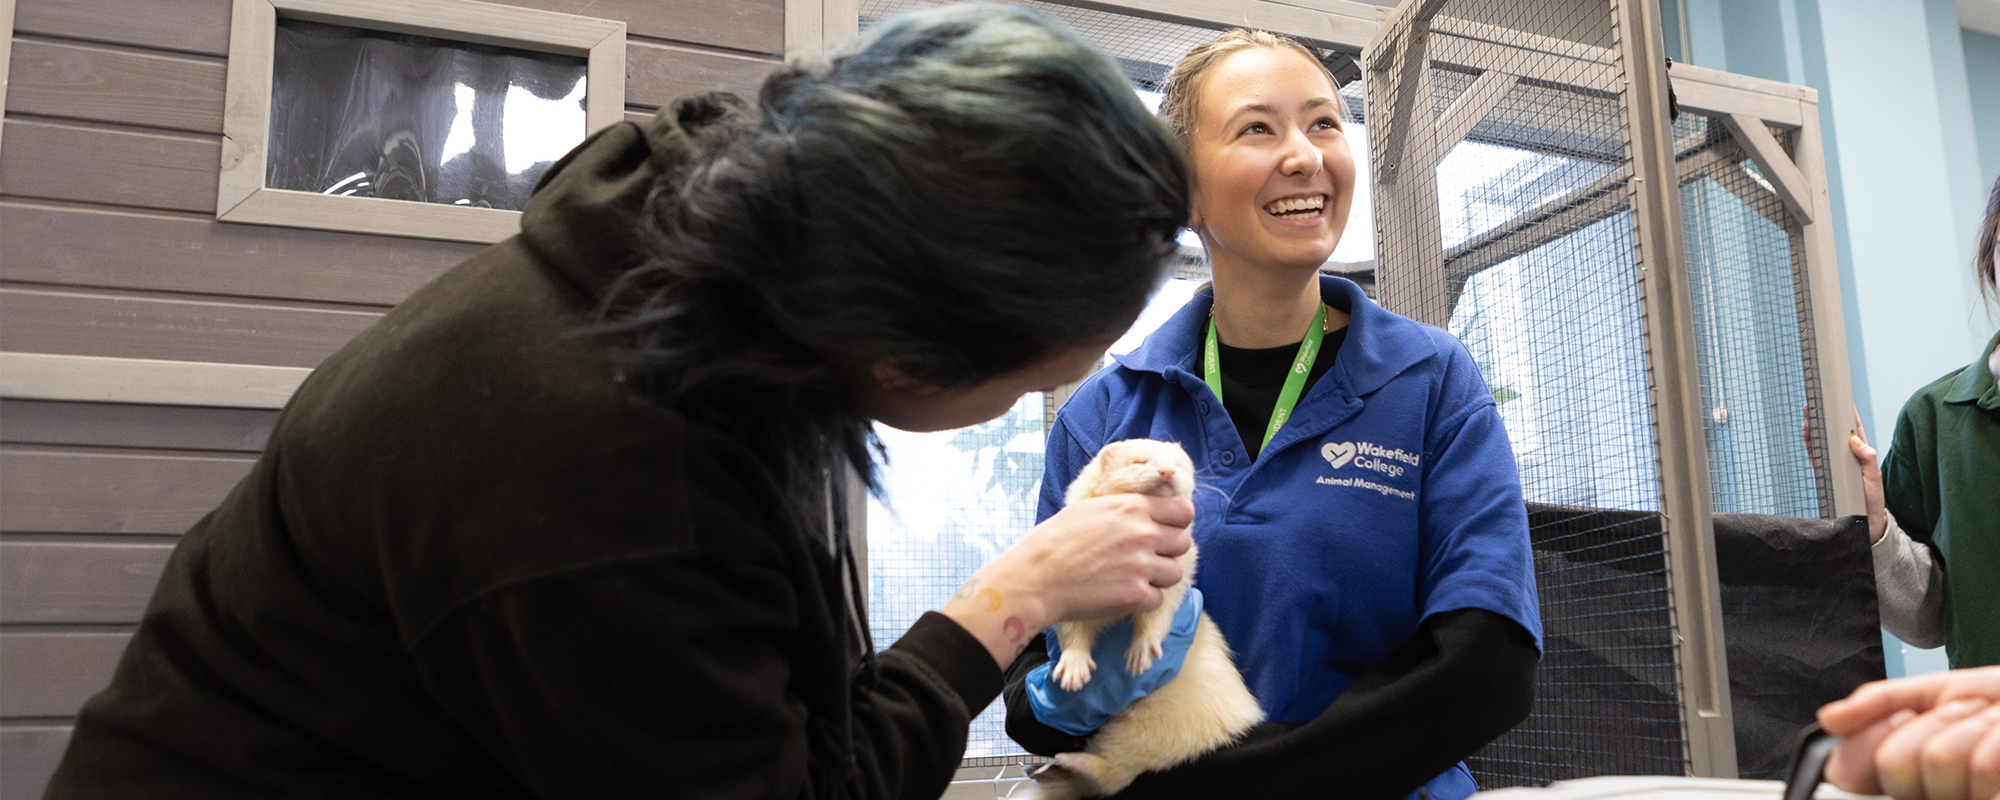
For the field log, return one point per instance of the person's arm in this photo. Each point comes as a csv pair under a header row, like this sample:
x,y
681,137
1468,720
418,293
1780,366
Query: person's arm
x,y
1466,677
1909,582
1928,737
678,675
1909,587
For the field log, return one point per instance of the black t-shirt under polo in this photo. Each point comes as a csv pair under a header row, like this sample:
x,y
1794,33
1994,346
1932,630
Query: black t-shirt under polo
x,y
1252,379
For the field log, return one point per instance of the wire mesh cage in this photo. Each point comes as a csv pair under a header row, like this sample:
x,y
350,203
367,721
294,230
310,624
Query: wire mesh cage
x,y
1505,190
1503,213
1753,329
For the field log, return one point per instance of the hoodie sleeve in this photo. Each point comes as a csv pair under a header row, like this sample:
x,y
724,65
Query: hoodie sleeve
x,y
686,673
1466,677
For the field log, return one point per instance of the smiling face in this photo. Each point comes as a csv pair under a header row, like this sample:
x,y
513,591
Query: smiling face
x,y
1273,179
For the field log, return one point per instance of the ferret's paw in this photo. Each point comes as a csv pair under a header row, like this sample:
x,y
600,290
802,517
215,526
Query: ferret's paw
x,y
1141,655
1084,774
1072,671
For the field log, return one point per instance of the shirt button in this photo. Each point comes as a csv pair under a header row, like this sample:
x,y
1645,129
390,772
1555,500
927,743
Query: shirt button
x,y
1228,457
1203,405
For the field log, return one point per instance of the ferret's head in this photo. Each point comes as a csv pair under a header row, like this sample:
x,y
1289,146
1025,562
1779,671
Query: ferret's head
x,y
1145,466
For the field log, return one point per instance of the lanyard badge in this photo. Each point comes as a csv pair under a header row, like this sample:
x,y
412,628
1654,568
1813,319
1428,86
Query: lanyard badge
x,y
1295,381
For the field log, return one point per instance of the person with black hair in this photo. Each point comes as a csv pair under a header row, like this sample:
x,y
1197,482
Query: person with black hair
x,y
562,523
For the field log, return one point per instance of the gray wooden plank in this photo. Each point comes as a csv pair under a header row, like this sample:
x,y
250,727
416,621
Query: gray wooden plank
x,y
43,491
202,26
754,25
65,79
131,168
182,92
656,73
78,323
135,426
51,674
133,249
28,756
78,582
196,26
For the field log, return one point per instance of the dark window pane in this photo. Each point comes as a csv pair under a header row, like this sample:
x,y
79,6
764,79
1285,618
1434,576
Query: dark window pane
x,y
374,114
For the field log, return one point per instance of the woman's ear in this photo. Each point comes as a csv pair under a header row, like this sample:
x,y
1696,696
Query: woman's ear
x,y
888,373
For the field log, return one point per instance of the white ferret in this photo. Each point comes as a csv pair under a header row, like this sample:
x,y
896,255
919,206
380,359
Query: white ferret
x,y
1204,707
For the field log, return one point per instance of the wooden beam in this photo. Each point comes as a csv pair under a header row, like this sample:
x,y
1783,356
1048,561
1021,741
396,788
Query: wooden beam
x,y
1466,112
73,582
94,491
1687,500
1771,160
40,376
200,330
50,674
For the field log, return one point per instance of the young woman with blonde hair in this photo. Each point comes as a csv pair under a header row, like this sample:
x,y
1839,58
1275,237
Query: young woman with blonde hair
x,y
1366,551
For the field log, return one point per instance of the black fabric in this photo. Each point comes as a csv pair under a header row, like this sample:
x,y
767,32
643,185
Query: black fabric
x,y
1606,701
1465,677
1801,622
472,562
1252,379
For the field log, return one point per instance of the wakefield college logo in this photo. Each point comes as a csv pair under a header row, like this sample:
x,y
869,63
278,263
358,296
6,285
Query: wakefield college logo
x,y
1337,453
1392,462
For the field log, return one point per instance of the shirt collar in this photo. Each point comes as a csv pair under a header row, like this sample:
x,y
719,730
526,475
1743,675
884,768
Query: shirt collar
x,y
1975,383
1379,345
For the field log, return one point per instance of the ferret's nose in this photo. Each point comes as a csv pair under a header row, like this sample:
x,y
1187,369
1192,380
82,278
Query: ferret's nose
x,y
1166,472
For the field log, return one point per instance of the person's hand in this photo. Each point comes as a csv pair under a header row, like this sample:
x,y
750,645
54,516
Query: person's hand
x,y
1929,737
1098,558
1871,481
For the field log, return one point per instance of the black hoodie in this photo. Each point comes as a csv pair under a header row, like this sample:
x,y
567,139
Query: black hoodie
x,y
473,562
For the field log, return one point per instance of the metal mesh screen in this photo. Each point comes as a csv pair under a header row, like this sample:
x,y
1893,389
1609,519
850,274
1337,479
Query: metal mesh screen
x,y
958,498
1753,331
1503,212
954,500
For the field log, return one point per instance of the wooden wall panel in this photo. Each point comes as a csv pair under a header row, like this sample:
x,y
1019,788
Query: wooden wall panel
x,y
76,323
192,26
47,491
89,82
28,756
658,73
51,674
66,161
131,249
754,25
66,79
78,582
202,26
126,425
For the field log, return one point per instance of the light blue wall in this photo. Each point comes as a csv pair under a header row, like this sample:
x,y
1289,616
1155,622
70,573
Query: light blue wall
x,y
1982,78
1908,167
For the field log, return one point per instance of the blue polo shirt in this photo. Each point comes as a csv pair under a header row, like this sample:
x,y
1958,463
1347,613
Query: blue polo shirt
x,y
1389,495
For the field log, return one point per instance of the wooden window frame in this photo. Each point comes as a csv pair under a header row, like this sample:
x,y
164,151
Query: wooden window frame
x,y
241,193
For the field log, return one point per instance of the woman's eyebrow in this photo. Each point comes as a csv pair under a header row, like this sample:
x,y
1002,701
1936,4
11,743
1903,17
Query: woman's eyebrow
x,y
1266,108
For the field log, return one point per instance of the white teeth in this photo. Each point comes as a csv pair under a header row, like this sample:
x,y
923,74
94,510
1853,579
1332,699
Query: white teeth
x,y
1314,203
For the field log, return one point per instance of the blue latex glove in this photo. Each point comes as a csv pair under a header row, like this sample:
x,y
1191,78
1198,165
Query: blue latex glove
x,y
1111,688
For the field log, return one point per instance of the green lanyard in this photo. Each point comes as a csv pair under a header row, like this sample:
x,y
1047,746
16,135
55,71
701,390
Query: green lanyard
x,y
1295,382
